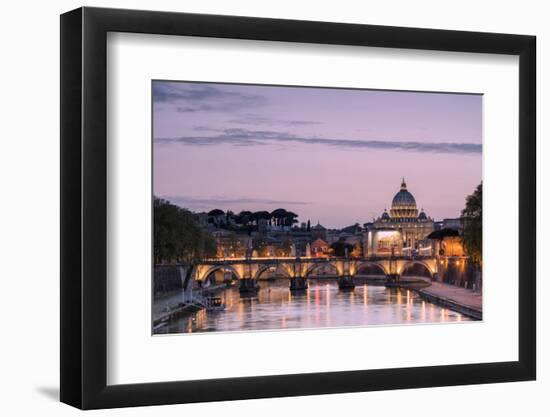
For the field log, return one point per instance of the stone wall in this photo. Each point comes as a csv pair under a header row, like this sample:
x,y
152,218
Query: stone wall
x,y
460,272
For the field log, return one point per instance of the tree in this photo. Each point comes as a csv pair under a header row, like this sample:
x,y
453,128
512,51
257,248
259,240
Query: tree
x,y
230,216
216,216
178,236
357,251
285,248
260,215
472,219
290,218
244,217
279,215
339,247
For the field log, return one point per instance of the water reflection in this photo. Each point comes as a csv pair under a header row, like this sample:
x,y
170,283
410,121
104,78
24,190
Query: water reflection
x,y
322,305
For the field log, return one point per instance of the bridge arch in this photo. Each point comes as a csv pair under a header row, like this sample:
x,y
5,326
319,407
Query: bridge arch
x,y
313,267
372,265
279,268
420,266
203,275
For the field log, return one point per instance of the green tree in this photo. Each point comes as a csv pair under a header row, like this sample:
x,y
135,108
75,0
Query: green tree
x,y
216,217
341,247
244,217
279,215
216,213
472,222
178,236
285,247
261,215
230,216
290,218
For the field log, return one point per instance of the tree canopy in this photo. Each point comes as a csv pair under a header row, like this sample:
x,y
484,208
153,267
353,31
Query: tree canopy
x,y
283,217
261,215
339,247
472,221
178,236
244,217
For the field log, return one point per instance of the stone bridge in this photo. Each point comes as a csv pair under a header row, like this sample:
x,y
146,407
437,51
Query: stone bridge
x,y
298,270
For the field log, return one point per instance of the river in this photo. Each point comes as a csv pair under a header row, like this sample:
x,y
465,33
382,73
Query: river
x,y
322,305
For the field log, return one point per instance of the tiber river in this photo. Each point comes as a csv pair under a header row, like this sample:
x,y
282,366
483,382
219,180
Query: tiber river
x,y
322,305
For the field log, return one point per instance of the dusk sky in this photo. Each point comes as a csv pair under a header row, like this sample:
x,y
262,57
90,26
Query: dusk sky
x,y
331,155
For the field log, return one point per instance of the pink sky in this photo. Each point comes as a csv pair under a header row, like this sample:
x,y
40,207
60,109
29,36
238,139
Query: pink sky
x,y
333,155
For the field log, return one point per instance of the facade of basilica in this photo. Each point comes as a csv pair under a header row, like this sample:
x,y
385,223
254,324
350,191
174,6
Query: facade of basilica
x,y
402,230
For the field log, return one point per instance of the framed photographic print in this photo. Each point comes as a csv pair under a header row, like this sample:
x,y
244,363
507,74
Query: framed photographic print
x,y
258,207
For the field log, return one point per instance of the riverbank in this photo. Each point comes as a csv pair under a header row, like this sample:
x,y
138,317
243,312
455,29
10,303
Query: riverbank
x,y
461,300
174,307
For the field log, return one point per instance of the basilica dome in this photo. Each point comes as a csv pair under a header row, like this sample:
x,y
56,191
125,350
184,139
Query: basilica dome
x,y
422,215
403,204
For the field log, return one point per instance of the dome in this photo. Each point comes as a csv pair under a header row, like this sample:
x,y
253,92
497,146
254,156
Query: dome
x,y
422,215
318,226
403,204
403,198
385,215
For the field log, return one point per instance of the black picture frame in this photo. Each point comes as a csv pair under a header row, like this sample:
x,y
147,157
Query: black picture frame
x,y
84,207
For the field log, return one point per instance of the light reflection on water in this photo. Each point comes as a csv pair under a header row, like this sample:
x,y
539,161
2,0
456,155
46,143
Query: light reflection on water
x,y
322,305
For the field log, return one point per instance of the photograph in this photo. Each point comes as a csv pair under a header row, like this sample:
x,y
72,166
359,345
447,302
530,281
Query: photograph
x,y
303,207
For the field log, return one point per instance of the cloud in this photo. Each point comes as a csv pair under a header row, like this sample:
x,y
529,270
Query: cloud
x,y
256,120
189,98
244,137
213,202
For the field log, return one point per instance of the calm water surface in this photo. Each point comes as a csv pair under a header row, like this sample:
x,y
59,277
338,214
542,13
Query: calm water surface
x,y
322,305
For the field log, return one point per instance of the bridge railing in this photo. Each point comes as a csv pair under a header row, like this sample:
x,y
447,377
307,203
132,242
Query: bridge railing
x,y
303,259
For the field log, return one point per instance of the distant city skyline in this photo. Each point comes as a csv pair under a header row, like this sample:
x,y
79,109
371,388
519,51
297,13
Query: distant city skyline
x,y
331,155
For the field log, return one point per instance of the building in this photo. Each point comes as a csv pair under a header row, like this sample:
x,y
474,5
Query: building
x,y
319,232
455,224
230,244
447,242
320,248
332,235
382,242
412,227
